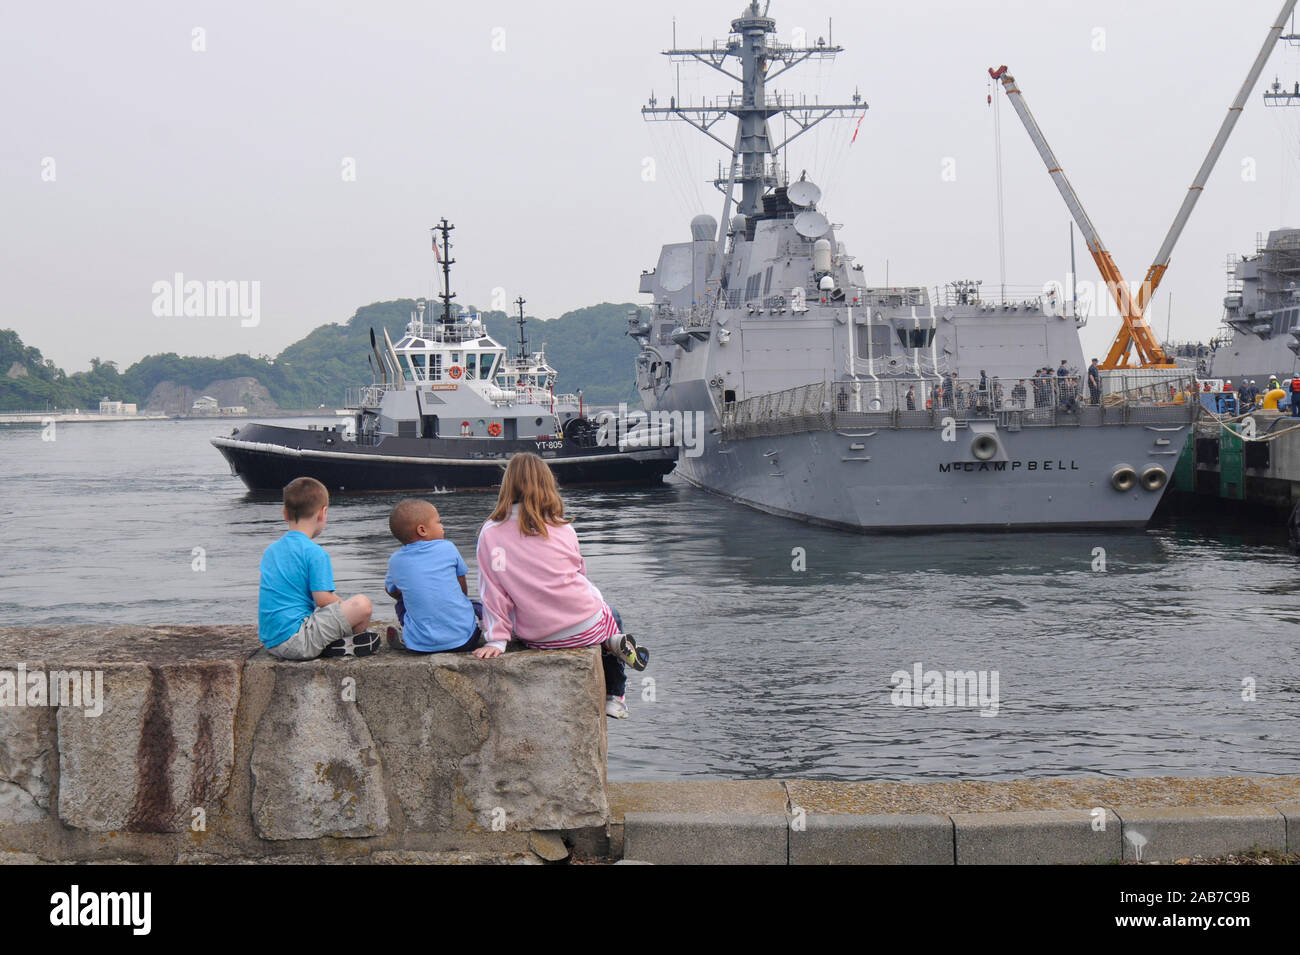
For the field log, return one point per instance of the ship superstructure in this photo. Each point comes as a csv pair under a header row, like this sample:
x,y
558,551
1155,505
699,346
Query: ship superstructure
x,y
1260,336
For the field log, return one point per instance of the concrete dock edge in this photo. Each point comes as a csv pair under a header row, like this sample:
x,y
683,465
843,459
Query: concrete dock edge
x,y
1044,837
823,822
895,839
1167,834
688,838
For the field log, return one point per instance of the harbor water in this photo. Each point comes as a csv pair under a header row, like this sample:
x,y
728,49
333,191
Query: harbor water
x,y
775,646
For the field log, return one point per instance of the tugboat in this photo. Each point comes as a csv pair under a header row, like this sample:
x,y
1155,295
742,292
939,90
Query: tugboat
x,y
448,409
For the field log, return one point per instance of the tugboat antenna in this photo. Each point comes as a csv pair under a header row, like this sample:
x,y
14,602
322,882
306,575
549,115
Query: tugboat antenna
x,y
523,342
445,258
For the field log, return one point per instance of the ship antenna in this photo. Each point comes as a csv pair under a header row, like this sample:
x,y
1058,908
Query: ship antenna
x,y
445,258
523,342
759,61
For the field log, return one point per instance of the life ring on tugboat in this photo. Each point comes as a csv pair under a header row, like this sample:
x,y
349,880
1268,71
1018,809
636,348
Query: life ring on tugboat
x,y
494,429
455,371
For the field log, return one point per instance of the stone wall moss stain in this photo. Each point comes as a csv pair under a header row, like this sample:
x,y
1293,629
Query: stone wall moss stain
x,y
153,808
204,776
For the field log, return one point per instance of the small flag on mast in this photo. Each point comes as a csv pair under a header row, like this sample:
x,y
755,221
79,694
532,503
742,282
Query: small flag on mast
x,y
436,254
856,128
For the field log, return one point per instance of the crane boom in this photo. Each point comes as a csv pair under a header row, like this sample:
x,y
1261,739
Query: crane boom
x,y
1100,254
1161,263
1136,331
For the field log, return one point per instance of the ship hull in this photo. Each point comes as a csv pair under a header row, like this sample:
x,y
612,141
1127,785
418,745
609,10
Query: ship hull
x,y
266,458
909,480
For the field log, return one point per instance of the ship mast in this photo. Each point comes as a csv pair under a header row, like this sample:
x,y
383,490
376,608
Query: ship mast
x,y
523,342
445,258
760,60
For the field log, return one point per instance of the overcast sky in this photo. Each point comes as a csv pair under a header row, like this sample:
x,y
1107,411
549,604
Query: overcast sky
x,y
520,122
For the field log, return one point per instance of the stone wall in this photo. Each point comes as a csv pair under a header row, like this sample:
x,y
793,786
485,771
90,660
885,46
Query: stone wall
x,y
206,748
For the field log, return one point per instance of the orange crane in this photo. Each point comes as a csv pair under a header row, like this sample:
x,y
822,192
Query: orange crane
x,y
1135,333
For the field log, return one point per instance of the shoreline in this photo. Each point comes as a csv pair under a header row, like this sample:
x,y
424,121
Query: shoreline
x,y
61,417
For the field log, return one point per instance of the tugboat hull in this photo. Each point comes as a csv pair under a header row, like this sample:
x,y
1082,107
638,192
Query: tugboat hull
x,y
266,458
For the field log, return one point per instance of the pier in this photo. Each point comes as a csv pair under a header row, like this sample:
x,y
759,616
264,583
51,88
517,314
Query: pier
x,y
1251,459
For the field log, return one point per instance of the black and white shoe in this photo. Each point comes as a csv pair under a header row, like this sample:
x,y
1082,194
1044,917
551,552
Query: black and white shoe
x,y
626,649
353,645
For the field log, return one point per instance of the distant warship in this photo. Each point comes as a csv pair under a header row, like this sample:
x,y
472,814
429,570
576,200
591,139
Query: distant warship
x,y
873,408
1260,336
448,409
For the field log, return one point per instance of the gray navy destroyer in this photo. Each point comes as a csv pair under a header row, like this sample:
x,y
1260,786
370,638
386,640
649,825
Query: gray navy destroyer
x,y
870,408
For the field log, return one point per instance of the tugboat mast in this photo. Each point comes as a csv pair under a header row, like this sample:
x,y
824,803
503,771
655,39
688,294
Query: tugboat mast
x,y
523,342
445,258
753,107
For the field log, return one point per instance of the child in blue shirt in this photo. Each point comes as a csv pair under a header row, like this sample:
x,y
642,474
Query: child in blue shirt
x,y
299,616
427,579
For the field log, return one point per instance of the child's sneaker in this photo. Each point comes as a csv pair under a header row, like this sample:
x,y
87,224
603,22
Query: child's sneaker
x,y
353,645
625,648
615,707
395,639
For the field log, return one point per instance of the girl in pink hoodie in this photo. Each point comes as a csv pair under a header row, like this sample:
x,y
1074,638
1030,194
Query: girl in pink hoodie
x,y
533,581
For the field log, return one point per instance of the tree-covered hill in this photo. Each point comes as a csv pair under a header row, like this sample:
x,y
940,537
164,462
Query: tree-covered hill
x,y
587,346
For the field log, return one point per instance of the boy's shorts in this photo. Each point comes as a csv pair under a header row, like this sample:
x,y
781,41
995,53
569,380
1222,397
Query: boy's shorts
x,y
316,633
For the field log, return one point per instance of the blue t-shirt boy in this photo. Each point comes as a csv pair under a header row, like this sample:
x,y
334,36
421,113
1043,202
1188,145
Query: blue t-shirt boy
x,y
291,569
439,615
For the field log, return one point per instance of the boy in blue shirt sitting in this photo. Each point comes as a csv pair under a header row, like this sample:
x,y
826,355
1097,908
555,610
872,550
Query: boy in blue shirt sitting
x,y
299,616
427,579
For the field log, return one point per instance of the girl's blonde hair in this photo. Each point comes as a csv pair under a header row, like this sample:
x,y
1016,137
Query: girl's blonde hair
x,y
528,482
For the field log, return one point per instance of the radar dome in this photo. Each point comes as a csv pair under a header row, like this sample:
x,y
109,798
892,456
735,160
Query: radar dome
x,y
704,227
738,223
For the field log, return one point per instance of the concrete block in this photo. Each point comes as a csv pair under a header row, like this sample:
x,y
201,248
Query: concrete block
x,y
895,839
315,767
29,763
706,838
1165,834
160,741
744,797
1291,813
163,746
1041,837
516,742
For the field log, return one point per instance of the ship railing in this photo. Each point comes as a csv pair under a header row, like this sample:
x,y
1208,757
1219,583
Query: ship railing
x,y
934,402
691,315
364,396
1009,297
466,328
